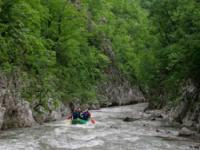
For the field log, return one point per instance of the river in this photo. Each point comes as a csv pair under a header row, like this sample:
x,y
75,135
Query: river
x,y
109,133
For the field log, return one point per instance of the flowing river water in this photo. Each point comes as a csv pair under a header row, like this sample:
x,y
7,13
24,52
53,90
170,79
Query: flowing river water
x,y
109,133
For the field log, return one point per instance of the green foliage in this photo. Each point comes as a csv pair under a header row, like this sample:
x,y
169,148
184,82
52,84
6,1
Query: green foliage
x,y
177,30
62,47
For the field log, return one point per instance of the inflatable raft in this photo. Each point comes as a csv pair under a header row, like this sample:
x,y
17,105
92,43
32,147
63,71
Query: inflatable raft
x,y
79,121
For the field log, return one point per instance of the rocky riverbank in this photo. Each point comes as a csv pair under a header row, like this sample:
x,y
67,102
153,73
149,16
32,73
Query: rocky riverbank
x,y
187,112
16,112
167,121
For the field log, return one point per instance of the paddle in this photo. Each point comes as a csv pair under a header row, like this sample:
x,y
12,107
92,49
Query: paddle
x,y
93,121
68,117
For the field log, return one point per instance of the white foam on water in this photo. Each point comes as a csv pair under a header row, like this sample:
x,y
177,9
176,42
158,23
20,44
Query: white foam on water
x,y
63,123
83,137
132,139
92,143
59,131
62,144
91,135
84,126
15,144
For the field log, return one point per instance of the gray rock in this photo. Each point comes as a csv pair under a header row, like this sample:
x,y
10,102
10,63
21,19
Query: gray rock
x,y
55,115
185,132
65,110
187,112
95,106
127,119
119,92
117,89
178,113
157,130
19,116
40,115
2,112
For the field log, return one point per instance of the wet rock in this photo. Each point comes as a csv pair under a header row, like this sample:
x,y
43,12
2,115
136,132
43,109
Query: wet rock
x,y
114,127
155,114
127,119
185,132
195,147
168,132
157,130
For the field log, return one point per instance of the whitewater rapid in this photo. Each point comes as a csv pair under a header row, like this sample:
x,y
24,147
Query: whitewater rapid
x,y
109,133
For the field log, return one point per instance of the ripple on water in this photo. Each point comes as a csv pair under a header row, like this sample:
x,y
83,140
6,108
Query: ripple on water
x,y
71,144
20,144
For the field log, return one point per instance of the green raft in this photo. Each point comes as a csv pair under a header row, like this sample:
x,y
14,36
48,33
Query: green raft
x,y
79,121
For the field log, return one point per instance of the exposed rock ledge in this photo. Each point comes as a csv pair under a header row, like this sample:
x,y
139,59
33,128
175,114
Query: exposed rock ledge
x,y
16,112
18,115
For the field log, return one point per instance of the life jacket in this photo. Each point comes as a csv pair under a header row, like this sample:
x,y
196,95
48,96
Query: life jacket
x,y
85,115
76,115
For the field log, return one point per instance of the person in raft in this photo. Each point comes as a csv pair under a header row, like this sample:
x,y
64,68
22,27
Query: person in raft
x,y
76,114
86,115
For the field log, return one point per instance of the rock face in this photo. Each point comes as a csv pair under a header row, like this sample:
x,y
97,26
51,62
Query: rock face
x,y
57,114
2,94
117,90
19,115
188,111
51,113
120,92
2,111
14,112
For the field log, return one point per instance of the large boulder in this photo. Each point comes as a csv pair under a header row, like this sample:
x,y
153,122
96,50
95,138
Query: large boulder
x,y
185,132
19,115
51,113
40,114
54,115
65,109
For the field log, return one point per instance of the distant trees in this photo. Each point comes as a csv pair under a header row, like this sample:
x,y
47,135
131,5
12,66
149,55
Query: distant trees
x,y
177,52
57,44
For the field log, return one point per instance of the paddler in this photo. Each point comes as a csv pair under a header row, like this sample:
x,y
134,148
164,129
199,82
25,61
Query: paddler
x,y
76,114
86,115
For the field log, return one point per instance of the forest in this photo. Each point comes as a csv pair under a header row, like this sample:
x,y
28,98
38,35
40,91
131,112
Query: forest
x,y
55,48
